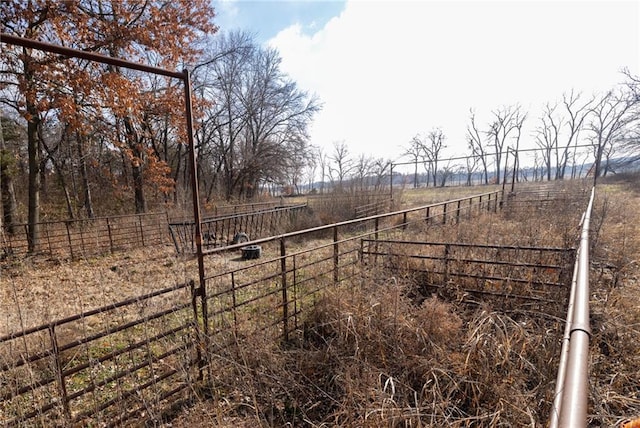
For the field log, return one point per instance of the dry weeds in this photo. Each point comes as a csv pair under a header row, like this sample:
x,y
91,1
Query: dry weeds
x,y
367,355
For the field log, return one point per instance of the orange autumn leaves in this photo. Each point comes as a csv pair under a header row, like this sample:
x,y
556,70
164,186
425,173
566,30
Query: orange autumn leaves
x,y
92,99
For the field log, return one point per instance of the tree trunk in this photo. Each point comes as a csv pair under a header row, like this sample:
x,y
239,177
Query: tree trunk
x,y
84,176
33,143
137,162
138,187
9,206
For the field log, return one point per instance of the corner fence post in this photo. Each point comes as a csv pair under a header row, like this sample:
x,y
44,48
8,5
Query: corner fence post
x,y
285,302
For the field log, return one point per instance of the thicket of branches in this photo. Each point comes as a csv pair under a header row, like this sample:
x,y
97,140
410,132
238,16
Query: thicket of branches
x,y
73,129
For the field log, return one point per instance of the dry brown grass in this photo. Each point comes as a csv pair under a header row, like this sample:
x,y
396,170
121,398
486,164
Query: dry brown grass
x,y
615,308
367,355
409,197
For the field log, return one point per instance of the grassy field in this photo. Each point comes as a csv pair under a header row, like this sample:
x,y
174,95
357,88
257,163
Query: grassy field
x,y
368,355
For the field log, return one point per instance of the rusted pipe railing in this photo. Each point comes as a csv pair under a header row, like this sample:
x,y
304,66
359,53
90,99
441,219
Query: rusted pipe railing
x,y
572,383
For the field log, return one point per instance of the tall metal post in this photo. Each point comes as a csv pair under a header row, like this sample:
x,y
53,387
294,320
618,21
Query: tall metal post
x,y
515,171
391,183
195,197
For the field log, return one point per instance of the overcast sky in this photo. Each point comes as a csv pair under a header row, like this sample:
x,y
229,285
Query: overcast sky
x,y
388,70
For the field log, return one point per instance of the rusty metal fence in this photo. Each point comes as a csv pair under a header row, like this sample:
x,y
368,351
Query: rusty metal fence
x,y
529,278
103,366
223,230
134,358
89,237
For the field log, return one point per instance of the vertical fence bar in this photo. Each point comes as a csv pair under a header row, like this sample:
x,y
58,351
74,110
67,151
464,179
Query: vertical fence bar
x,y
428,216
458,212
295,294
69,239
46,231
80,224
235,304
110,236
515,171
59,376
335,255
404,221
447,250
444,213
28,239
196,327
141,230
285,303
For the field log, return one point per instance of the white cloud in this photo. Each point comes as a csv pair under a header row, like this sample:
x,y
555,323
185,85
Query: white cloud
x,y
388,70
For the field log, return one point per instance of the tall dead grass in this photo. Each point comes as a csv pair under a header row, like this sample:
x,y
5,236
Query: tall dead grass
x,y
368,356
615,311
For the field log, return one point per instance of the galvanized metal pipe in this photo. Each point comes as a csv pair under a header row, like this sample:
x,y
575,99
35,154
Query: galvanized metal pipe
x,y
564,352
572,388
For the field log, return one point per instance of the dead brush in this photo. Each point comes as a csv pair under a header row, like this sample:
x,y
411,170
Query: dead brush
x,y
615,273
368,356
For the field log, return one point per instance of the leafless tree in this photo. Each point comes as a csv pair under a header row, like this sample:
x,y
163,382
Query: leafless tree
x,y
576,113
414,151
362,170
323,163
380,170
546,136
611,115
471,163
312,167
476,145
432,149
506,120
342,165
445,173
254,125
11,134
